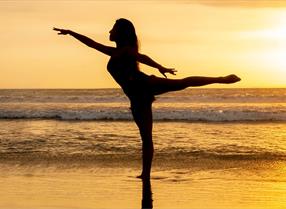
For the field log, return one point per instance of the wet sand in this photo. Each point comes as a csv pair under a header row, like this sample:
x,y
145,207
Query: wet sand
x,y
231,185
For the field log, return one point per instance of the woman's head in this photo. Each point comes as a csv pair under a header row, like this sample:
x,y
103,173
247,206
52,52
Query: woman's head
x,y
123,33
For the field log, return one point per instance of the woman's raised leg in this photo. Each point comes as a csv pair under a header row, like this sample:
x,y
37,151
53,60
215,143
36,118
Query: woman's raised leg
x,y
163,85
142,114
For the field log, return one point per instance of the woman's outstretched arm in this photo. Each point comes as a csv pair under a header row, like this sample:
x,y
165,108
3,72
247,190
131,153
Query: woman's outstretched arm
x,y
108,50
148,61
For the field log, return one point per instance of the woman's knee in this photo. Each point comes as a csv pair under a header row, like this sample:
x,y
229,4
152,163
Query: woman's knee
x,y
146,136
147,145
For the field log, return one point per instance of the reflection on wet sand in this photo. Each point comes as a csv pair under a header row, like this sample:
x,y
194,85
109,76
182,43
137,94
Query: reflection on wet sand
x,y
147,201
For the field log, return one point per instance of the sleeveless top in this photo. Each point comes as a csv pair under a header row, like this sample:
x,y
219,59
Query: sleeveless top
x,y
124,69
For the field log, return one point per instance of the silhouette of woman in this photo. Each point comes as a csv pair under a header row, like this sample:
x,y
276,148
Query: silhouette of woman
x,y
139,87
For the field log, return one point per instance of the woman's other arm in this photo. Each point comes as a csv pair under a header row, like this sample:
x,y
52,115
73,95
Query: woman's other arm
x,y
108,50
148,61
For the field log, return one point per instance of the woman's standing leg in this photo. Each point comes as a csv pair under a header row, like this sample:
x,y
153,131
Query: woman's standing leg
x,y
142,114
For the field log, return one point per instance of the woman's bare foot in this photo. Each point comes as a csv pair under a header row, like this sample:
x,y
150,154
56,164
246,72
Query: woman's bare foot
x,y
230,79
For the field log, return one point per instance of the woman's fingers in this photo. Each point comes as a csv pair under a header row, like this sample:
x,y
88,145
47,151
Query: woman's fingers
x,y
57,29
172,71
163,71
61,31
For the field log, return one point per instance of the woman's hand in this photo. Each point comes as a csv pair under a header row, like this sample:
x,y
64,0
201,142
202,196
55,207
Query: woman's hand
x,y
62,31
164,70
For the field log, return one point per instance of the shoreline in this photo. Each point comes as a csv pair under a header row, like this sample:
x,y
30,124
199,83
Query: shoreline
x,y
258,122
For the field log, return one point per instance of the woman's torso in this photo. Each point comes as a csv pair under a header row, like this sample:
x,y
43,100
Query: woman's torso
x,y
122,66
124,69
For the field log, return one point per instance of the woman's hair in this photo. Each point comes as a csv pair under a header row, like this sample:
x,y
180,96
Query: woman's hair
x,y
126,33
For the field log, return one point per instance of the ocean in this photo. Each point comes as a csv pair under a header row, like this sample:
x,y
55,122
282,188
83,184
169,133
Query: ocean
x,y
217,138
194,122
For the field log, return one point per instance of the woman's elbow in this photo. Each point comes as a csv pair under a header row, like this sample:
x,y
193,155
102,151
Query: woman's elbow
x,y
142,57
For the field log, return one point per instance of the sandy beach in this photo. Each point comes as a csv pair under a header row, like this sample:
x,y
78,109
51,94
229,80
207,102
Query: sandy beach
x,y
205,184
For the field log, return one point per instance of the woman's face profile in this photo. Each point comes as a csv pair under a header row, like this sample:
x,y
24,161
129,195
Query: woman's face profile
x,y
113,33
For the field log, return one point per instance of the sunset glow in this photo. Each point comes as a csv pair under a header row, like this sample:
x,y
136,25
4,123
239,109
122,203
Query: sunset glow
x,y
209,38
76,135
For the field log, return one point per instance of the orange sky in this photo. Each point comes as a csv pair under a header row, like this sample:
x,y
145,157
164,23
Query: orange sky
x,y
210,38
